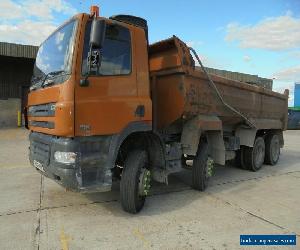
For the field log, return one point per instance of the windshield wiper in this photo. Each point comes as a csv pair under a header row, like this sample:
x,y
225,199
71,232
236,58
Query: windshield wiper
x,y
35,86
35,79
48,81
35,82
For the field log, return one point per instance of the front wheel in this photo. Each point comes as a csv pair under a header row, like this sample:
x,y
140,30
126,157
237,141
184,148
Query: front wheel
x,y
135,181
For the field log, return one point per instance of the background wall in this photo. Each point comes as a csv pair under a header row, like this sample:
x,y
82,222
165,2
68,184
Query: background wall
x,y
8,112
15,75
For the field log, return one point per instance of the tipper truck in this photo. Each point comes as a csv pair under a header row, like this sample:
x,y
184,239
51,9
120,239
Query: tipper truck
x,y
106,106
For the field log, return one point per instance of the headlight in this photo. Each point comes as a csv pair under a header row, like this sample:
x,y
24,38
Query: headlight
x,y
65,157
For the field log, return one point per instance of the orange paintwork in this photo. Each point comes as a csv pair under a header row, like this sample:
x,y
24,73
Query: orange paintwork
x,y
168,90
94,10
108,104
62,95
168,54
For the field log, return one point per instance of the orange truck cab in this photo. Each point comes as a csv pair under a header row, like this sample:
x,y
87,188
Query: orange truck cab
x,y
102,107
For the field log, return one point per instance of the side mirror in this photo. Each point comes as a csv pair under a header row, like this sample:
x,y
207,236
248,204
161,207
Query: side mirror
x,y
97,37
97,33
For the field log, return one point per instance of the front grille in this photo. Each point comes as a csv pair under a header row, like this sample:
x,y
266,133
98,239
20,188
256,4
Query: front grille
x,y
42,124
40,152
44,110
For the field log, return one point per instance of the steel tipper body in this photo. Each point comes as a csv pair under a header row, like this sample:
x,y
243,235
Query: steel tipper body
x,y
230,115
183,91
105,106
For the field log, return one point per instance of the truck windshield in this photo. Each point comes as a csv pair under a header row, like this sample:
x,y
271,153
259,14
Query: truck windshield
x,y
54,57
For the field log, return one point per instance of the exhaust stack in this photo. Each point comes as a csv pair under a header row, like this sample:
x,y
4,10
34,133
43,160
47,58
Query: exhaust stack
x,y
94,11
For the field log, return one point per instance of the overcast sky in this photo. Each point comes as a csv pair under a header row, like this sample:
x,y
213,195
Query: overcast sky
x,y
256,37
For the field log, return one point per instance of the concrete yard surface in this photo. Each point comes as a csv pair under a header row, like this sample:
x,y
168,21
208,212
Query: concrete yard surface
x,y
36,213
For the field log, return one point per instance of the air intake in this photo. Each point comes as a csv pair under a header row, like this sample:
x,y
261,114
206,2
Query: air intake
x,y
134,20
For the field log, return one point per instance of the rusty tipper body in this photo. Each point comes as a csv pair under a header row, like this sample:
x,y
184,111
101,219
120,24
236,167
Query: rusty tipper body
x,y
106,106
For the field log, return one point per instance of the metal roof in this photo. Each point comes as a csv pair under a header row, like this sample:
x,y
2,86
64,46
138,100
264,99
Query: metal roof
x,y
18,50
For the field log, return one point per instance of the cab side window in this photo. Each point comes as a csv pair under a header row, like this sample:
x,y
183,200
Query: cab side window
x,y
116,51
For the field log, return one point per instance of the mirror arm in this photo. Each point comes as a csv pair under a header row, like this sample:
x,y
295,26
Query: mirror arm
x,y
85,82
96,40
90,61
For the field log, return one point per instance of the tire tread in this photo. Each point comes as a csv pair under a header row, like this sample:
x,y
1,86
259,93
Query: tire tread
x,y
268,158
248,157
198,180
129,181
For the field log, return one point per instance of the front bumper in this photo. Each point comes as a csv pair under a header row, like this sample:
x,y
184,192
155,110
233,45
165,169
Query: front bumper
x,y
89,173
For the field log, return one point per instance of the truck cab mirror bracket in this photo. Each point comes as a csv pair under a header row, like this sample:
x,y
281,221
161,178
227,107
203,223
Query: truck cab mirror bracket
x,y
97,37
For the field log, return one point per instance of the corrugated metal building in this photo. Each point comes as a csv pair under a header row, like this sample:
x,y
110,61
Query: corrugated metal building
x,y
16,66
293,118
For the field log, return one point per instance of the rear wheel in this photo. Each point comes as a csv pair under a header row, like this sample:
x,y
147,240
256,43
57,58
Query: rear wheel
x,y
135,181
253,158
202,167
239,158
272,149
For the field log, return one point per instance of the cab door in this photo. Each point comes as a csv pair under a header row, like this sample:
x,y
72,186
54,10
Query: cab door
x,y
110,100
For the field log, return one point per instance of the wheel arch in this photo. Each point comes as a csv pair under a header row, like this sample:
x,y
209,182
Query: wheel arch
x,y
278,132
247,136
137,135
206,126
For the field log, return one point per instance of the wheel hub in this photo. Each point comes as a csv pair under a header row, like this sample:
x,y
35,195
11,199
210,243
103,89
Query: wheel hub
x,y
144,184
209,166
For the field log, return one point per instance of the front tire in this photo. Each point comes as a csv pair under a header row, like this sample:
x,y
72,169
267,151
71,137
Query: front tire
x,y
131,199
200,175
254,157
